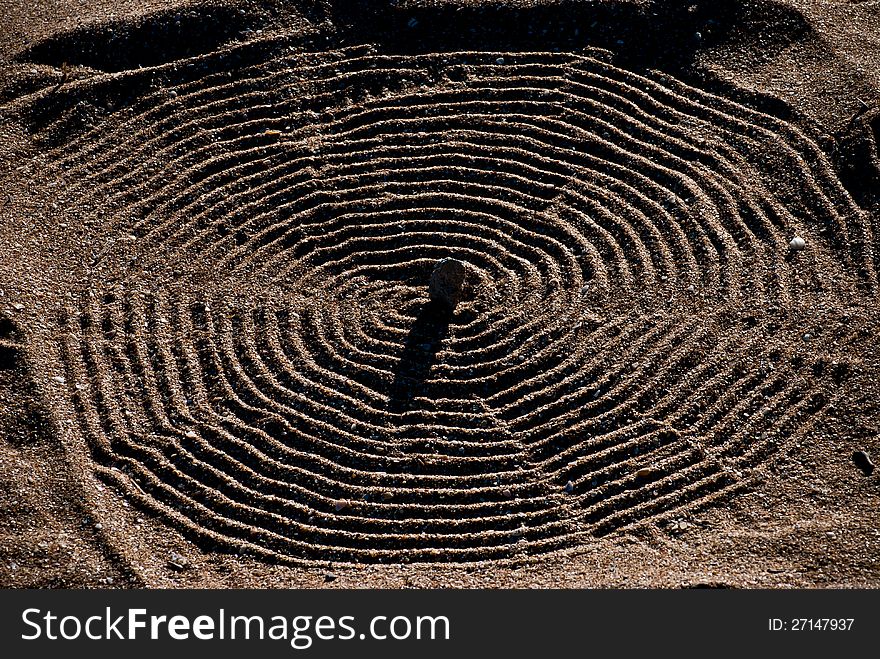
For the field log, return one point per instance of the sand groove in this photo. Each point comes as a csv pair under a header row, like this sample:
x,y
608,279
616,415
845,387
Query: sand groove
x,y
268,375
10,344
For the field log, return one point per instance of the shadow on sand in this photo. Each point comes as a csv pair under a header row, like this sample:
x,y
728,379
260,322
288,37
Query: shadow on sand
x,y
419,354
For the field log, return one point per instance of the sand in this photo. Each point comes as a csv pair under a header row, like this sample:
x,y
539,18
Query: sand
x,y
220,364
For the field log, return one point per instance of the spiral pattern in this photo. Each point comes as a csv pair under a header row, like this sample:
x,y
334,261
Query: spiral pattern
x,y
257,359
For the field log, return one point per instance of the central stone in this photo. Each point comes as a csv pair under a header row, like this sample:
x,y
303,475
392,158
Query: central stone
x,y
447,282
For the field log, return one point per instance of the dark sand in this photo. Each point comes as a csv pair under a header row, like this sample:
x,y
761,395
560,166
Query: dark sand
x,y
219,364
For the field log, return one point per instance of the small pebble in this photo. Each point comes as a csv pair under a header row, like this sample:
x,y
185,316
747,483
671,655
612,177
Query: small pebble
x,y
645,472
569,487
499,61
342,504
797,244
863,461
330,577
447,282
177,561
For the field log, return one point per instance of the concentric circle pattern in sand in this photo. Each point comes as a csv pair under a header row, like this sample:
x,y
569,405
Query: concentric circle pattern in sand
x,y
308,403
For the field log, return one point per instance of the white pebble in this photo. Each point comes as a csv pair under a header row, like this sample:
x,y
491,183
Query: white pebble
x,y
797,244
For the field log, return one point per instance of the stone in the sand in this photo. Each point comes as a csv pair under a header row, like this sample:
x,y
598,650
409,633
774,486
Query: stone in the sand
x,y
863,461
569,487
447,282
797,244
177,562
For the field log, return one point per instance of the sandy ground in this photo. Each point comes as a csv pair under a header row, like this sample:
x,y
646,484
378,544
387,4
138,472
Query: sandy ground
x,y
219,365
